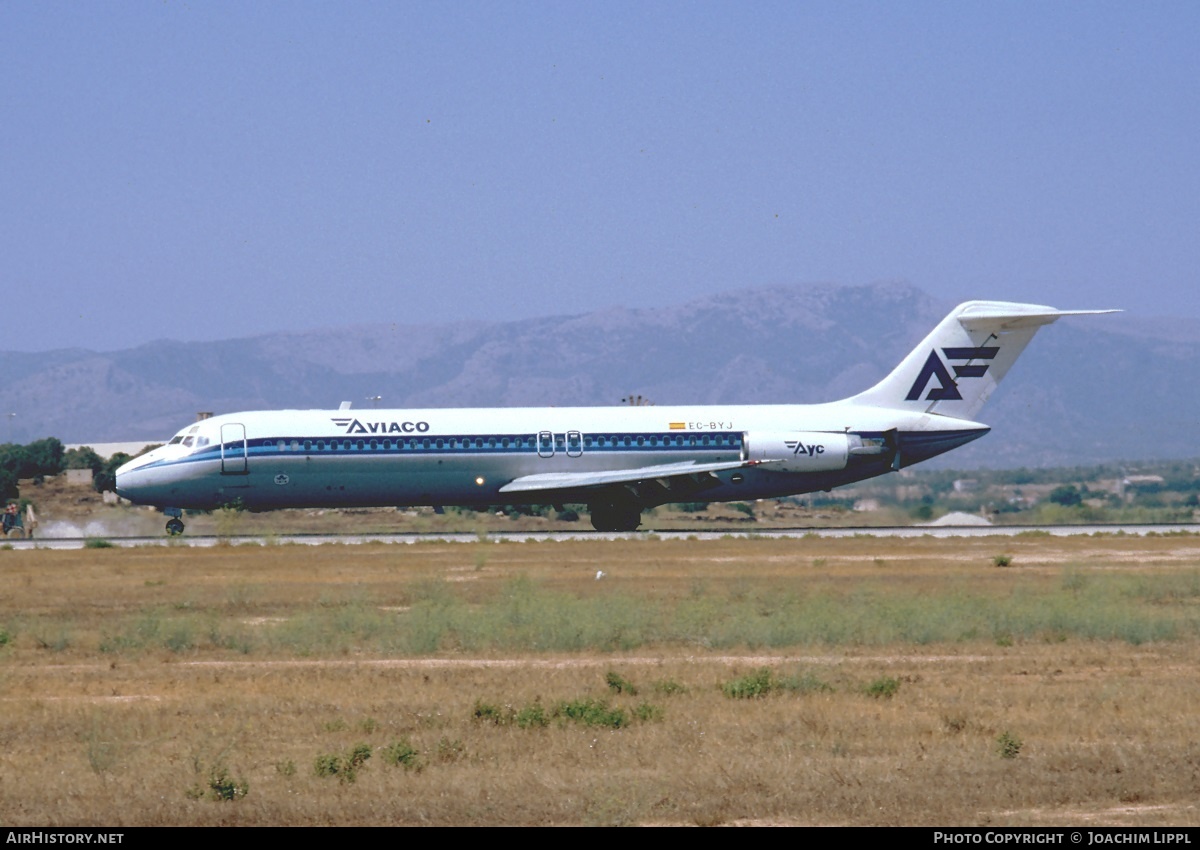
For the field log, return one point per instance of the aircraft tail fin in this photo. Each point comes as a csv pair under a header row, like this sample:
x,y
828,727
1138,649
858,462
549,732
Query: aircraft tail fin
x,y
955,369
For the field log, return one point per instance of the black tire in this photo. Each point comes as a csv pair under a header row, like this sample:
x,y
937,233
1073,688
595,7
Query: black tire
x,y
610,517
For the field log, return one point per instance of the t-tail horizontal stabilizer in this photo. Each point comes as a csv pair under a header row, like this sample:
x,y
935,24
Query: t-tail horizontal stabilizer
x,y
957,367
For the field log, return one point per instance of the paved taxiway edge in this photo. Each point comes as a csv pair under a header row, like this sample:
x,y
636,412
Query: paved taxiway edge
x,y
541,536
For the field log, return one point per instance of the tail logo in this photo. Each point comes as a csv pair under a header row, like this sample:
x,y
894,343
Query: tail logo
x,y
935,367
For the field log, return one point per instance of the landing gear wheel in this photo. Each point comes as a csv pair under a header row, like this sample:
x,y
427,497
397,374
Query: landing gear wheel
x,y
610,517
174,526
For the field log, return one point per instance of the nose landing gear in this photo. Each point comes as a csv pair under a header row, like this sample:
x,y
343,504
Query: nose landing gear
x,y
174,524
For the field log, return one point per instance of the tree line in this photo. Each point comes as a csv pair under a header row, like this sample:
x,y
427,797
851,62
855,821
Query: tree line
x,y
47,457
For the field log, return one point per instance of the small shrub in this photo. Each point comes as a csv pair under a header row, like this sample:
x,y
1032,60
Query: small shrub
x,y
359,754
1008,745
403,754
221,786
327,764
592,712
344,767
618,684
532,717
757,684
883,688
486,712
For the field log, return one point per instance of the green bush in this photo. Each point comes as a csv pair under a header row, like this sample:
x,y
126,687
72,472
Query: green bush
x,y
403,754
883,688
532,717
344,767
1008,745
592,712
755,685
487,712
220,786
618,684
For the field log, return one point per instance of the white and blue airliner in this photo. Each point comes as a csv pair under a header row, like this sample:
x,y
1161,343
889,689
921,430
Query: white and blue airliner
x,y
617,460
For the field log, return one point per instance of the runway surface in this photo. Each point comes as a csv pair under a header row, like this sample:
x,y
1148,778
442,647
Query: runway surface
x,y
538,536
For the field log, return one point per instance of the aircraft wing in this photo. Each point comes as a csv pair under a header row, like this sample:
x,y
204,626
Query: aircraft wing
x,y
662,473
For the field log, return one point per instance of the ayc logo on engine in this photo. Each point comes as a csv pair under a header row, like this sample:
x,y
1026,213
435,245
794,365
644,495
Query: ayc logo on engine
x,y
798,448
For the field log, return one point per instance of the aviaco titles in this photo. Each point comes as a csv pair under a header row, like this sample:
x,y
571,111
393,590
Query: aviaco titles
x,y
618,460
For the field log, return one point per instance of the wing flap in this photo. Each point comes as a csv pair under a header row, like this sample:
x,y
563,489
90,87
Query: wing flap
x,y
585,480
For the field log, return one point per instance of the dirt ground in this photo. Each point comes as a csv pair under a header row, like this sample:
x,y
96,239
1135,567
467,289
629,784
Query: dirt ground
x,y
800,682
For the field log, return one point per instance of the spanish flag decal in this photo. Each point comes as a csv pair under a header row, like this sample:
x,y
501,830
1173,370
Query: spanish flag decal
x,y
678,426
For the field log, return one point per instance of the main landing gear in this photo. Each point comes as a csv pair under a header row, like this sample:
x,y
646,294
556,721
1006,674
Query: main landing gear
x,y
615,516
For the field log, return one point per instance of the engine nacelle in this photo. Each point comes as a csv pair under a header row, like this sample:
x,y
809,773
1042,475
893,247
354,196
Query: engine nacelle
x,y
799,451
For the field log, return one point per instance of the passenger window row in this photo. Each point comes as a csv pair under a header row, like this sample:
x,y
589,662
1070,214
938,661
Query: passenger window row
x,y
520,442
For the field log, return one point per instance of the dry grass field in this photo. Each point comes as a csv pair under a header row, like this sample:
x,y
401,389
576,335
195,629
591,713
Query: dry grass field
x,y
852,681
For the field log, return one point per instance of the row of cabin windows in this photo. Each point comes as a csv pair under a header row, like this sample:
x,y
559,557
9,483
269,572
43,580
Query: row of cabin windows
x,y
529,441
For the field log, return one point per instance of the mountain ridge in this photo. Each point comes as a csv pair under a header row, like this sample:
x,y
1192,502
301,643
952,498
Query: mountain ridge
x,y
1087,389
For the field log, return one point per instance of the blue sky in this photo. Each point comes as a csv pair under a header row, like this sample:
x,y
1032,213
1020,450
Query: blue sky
x,y
209,170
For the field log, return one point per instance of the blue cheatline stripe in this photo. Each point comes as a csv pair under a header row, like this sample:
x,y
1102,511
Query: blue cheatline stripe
x,y
491,444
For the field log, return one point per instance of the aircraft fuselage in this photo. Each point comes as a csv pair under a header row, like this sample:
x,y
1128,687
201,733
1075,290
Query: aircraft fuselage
x,y
619,460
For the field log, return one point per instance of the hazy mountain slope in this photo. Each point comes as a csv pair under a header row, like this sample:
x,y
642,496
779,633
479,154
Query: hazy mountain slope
x,y
1088,389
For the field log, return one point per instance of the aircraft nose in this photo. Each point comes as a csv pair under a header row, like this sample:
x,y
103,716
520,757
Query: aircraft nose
x,y
129,477
122,480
